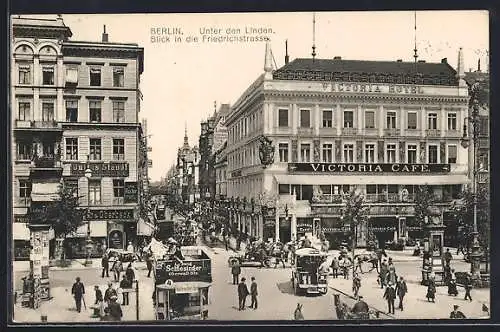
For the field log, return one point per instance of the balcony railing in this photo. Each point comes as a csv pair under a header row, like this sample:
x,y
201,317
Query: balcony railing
x,y
453,133
47,162
23,124
305,131
413,132
370,132
349,131
433,132
327,198
118,201
391,132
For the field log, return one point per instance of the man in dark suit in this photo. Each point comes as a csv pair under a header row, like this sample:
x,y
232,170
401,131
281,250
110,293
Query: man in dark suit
x,y
149,263
253,294
235,271
242,294
125,285
78,290
109,292
390,296
456,314
360,306
105,265
98,295
401,291
115,311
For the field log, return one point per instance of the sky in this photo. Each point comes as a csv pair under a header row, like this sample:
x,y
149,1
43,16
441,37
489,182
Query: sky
x,y
182,79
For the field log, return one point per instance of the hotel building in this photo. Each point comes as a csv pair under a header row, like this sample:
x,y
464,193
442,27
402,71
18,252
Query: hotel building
x,y
74,107
379,127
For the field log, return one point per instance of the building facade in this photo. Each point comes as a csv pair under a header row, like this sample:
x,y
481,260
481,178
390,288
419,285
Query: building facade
x,y
187,172
75,107
380,128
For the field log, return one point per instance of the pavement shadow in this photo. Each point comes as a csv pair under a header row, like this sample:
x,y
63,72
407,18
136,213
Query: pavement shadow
x,y
286,287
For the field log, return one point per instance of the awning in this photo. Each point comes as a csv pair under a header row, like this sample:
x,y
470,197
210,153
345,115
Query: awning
x,y
20,231
98,228
144,228
189,287
311,179
45,191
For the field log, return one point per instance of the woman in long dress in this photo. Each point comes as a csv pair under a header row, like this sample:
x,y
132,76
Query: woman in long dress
x,y
431,290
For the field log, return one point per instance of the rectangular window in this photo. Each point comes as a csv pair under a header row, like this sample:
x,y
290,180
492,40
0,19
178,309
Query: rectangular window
x,y
412,120
71,110
118,187
412,153
391,120
433,154
48,75
283,152
24,74
348,119
391,153
24,151
24,191
369,119
484,129
48,111
95,110
371,189
118,76
432,121
95,76
72,148
452,154
327,152
24,111
348,153
283,118
72,185
452,121
119,111
95,149
305,153
369,153
72,75
94,192
118,149
284,189
305,119
327,119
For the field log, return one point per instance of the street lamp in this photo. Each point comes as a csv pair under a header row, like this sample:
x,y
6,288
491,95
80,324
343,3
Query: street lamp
x,y
88,247
475,255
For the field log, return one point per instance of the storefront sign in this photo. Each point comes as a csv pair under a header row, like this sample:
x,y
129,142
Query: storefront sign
x,y
110,214
111,169
115,239
304,228
344,229
413,228
383,229
196,270
131,192
368,168
269,213
21,218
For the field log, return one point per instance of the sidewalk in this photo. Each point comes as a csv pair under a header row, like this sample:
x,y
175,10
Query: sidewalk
x,y
75,264
415,303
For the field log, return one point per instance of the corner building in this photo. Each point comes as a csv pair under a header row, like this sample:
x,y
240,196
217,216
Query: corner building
x,y
378,127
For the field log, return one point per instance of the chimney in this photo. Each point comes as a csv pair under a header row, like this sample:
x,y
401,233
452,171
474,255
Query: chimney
x,y
444,60
461,69
287,58
337,58
104,35
399,60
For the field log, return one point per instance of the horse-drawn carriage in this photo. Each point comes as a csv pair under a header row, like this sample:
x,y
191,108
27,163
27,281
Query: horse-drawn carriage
x,y
263,253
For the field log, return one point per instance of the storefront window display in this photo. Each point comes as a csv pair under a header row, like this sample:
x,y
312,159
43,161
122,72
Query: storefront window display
x,y
76,247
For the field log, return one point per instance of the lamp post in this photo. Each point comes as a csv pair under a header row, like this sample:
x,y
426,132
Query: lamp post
x,y
475,255
88,247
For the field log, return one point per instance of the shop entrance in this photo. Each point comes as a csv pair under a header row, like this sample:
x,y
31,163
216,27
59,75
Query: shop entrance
x,y
383,228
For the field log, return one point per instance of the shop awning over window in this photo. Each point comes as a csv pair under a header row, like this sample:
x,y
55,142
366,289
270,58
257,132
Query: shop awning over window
x,y
144,228
324,179
45,191
20,231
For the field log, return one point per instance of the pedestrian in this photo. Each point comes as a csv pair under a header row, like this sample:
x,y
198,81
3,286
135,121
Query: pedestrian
x,y
324,268
99,301
253,293
115,310
109,292
447,257
374,261
130,274
117,269
105,265
235,270
359,261
238,243
78,290
390,296
149,263
335,267
125,286
452,284
383,273
401,290
468,287
356,284
242,294
446,274
130,247
456,314
224,237
391,272
360,306
297,314
431,290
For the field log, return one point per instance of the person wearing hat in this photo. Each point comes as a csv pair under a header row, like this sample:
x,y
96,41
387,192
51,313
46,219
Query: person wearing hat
x,y
360,307
130,274
78,290
115,310
456,314
109,292
431,289
235,270
401,290
468,287
242,294
390,296
125,285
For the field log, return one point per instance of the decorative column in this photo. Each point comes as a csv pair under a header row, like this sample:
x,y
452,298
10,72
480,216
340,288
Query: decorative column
x,y
294,151
37,113
338,120
59,113
338,151
317,120
293,226
402,152
423,153
381,124
423,124
359,120
277,223
295,119
316,149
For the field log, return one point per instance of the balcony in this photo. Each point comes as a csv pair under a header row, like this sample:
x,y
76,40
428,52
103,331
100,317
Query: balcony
x,y
453,133
391,132
413,132
432,132
304,131
47,162
327,198
38,125
370,132
23,124
349,131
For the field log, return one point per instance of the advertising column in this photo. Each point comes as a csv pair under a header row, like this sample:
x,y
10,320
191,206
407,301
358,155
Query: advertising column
x,y
39,262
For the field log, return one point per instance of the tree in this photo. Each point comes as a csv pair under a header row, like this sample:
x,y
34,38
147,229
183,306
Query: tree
x,y
424,199
463,211
354,213
64,214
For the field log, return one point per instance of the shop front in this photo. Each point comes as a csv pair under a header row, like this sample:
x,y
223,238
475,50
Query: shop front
x,y
75,244
304,226
285,229
21,235
384,229
451,232
414,230
335,232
